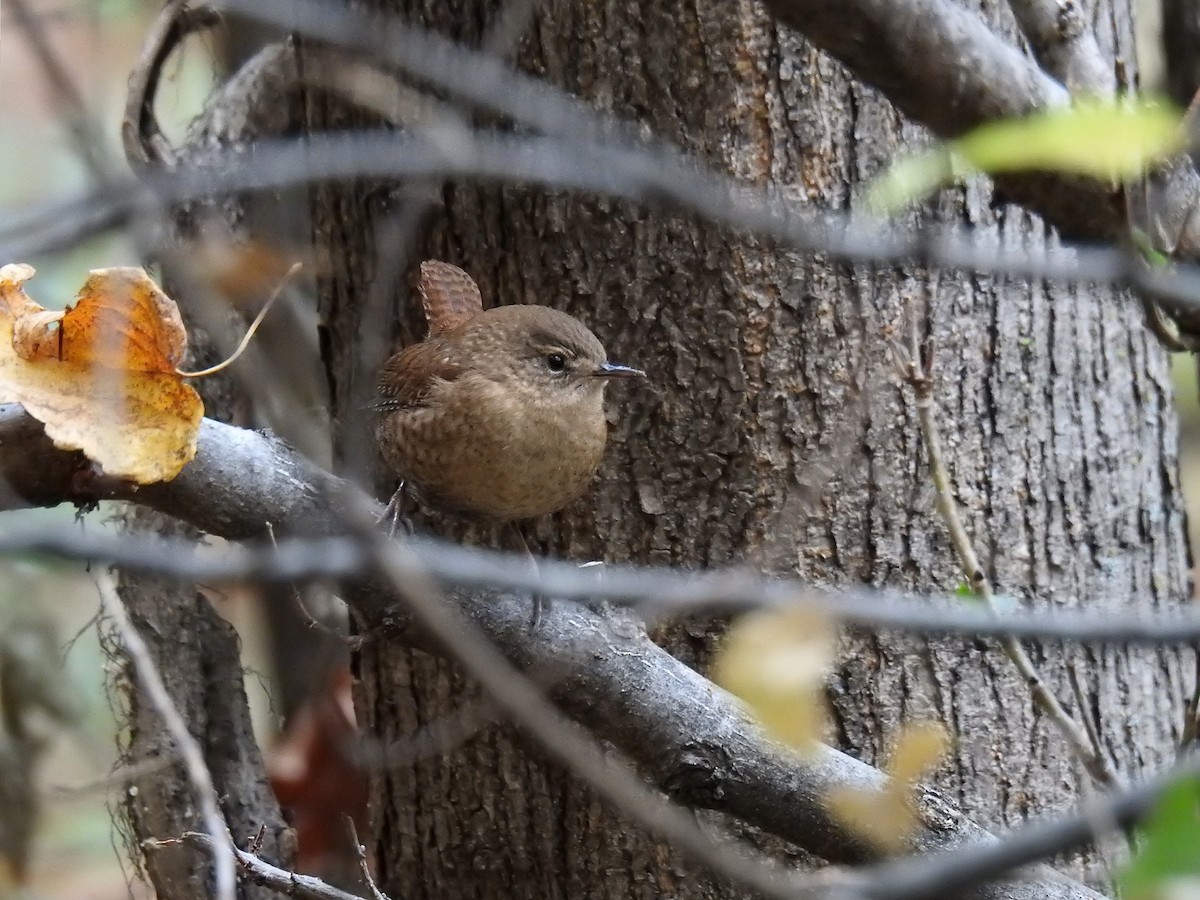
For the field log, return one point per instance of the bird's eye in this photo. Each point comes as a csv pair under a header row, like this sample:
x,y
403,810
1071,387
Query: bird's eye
x,y
556,362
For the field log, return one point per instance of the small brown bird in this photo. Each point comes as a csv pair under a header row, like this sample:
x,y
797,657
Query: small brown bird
x,y
498,414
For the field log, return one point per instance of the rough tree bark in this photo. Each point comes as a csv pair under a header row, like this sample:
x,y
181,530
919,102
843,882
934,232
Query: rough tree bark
x,y
197,652
198,655
775,431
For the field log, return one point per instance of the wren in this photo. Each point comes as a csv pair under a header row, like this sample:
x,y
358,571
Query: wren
x,y
498,414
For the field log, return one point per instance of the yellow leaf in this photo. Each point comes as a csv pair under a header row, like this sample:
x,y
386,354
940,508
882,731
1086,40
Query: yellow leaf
x,y
1103,139
887,818
884,819
919,750
102,375
1111,140
776,661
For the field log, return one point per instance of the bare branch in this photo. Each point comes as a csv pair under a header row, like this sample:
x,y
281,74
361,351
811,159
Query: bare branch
x,y
681,730
143,139
241,481
610,774
935,60
628,172
310,621
976,89
940,64
262,873
1062,41
906,47
913,878
672,592
364,870
1081,704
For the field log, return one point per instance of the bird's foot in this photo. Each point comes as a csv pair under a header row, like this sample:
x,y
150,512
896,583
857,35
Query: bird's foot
x,y
540,602
540,605
394,514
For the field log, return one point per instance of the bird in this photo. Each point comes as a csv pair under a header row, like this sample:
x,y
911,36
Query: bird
x,y
498,414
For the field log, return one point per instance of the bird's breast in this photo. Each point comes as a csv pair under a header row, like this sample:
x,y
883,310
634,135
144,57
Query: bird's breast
x,y
483,450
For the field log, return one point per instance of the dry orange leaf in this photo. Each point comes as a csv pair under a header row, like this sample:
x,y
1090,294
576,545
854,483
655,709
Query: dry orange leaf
x,y
102,375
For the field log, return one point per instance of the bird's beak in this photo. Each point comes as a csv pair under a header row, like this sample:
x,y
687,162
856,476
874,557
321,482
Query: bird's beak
x,y
612,370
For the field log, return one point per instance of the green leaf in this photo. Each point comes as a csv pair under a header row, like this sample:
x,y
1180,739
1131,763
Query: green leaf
x,y
1112,140
1169,860
914,176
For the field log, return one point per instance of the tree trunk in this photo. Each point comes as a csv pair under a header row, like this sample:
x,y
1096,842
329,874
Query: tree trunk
x,y
197,653
774,431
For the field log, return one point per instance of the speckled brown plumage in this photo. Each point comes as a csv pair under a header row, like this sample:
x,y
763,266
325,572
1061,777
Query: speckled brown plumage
x,y
498,414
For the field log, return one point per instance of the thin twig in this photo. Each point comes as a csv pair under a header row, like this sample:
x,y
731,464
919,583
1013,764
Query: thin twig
x,y
257,841
1081,704
360,852
951,873
492,84
939,90
261,872
141,136
189,750
673,592
249,335
609,774
630,172
353,642
919,375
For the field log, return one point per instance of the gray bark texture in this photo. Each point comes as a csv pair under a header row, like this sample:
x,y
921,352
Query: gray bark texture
x,y
197,653
775,432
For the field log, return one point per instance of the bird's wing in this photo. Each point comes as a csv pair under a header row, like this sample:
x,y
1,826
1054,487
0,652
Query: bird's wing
x,y
405,379
449,295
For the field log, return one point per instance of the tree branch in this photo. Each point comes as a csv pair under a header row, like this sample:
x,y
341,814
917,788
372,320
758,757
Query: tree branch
x,y
272,480
914,878
262,873
691,738
936,61
940,64
634,172
1063,43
